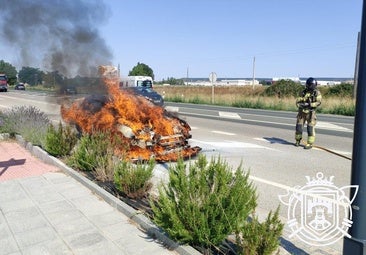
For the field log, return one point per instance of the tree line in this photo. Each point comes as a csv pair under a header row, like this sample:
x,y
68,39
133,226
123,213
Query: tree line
x,y
34,76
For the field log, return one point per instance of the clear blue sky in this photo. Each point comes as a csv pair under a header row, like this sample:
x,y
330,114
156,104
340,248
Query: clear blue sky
x,y
287,37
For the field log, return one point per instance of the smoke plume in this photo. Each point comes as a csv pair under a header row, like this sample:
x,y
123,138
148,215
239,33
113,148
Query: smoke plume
x,y
58,35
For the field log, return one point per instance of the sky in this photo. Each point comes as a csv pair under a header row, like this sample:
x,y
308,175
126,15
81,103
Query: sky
x,y
192,38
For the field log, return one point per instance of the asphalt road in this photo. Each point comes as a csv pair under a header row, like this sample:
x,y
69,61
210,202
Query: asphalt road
x,y
260,141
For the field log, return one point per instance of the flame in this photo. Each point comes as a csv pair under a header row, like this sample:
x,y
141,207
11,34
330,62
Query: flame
x,y
149,129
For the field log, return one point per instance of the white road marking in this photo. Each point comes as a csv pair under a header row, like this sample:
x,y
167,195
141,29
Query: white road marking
x,y
231,144
327,125
296,190
222,133
20,102
282,141
231,115
172,108
275,184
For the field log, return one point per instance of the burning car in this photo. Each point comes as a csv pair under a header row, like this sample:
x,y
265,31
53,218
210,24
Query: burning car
x,y
150,130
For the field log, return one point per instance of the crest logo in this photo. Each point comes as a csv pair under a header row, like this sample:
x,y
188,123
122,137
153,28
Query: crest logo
x,y
319,213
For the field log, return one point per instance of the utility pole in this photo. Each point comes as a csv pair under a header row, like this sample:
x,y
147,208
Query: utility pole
x,y
213,77
253,71
356,244
187,75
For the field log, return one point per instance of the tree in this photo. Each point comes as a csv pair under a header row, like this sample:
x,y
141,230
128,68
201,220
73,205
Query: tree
x,y
30,75
142,69
53,79
9,70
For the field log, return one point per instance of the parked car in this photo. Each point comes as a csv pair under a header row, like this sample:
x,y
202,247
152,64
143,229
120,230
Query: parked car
x,y
69,90
148,93
20,86
3,83
3,87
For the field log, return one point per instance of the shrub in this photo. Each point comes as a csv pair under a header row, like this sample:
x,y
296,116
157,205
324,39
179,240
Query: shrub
x,y
343,90
60,142
204,204
133,180
255,238
93,151
27,121
284,88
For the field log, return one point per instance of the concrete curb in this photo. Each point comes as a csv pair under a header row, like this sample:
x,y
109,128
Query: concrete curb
x,y
127,210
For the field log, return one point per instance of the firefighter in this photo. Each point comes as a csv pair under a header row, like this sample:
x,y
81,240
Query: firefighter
x,y
309,99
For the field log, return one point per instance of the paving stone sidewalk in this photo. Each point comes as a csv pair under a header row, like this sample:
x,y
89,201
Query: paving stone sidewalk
x,y
45,211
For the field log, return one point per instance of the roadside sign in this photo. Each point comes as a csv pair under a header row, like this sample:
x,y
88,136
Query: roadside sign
x,y
212,77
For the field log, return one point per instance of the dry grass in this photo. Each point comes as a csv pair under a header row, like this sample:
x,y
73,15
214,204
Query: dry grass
x,y
247,97
229,92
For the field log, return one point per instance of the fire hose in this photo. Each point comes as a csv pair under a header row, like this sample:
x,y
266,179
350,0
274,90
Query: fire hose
x,y
330,151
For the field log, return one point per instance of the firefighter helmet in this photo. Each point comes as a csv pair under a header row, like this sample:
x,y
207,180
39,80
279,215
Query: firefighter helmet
x,y
311,83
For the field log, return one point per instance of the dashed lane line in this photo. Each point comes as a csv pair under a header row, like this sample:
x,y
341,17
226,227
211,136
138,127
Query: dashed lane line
x,y
222,133
231,115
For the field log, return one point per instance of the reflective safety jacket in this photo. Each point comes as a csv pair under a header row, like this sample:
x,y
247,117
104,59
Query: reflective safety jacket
x,y
308,100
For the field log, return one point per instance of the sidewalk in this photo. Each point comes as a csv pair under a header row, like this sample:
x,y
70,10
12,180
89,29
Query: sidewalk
x,y
45,211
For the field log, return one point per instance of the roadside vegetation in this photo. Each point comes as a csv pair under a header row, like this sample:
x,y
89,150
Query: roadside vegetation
x,y
337,99
205,204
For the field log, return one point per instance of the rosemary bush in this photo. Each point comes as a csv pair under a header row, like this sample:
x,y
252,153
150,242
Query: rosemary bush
x,y
256,238
133,180
205,203
60,142
92,151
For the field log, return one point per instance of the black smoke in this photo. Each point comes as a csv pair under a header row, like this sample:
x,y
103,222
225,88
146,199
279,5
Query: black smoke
x,y
57,35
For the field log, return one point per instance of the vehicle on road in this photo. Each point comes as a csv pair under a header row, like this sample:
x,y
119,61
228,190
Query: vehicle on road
x,y
69,90
147,93
20,86
136,81
3,83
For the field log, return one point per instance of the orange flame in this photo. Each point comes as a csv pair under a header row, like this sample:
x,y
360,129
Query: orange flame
x,y
150,130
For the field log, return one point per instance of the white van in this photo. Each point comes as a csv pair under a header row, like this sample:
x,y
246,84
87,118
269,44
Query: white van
x,y
136,81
